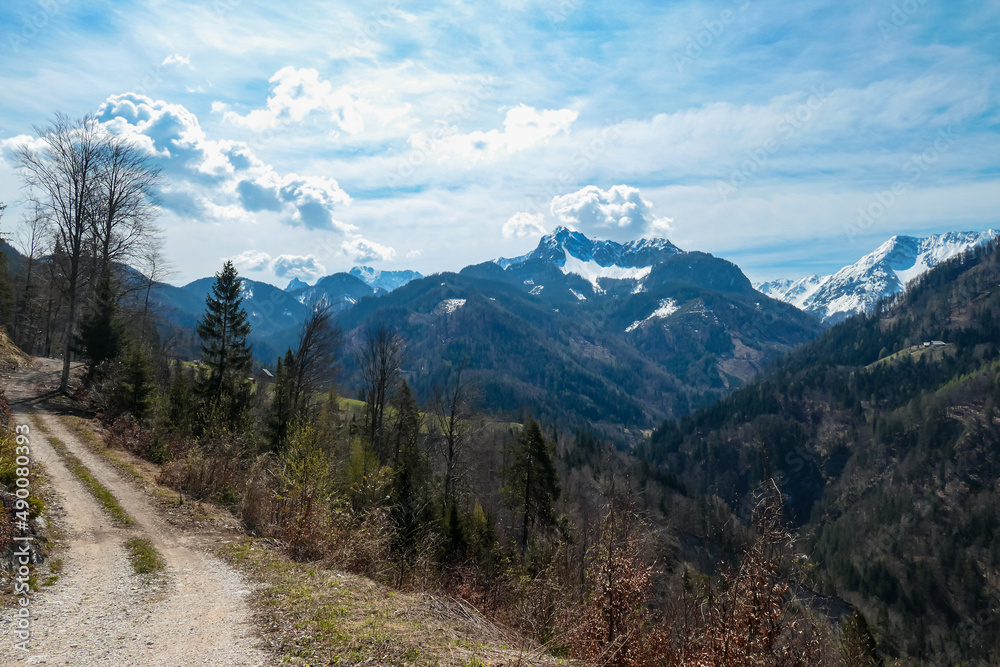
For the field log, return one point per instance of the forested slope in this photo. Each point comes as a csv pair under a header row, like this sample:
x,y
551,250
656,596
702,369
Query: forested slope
x,y
889,453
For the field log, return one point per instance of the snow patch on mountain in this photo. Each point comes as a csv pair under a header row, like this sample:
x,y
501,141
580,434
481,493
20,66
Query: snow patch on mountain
x,y
594,260
448,306
667,308
592,272
296,283
795,292
578,295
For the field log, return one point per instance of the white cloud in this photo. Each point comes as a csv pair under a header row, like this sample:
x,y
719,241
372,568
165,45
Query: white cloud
x,y
251,260
360,249
296,93
220,180
524,224
305,267
177,59
414,254
620,209
524,127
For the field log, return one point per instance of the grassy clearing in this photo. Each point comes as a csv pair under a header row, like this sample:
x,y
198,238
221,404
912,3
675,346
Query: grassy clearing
x,y
98,490
311,615
915,353
143,555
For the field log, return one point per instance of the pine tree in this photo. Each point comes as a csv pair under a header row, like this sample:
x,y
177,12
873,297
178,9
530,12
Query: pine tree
x,y
224,349
179,403
136,386
531,483
410,470
100,332
857,646
283,402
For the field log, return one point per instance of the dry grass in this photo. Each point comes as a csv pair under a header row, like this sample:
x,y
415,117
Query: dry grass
x,y
85,429
320,616
101,493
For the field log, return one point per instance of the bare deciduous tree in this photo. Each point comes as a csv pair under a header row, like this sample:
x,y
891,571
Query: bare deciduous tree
x,y
95,192
455,419
123,202
30,239
379,358
61,180
316,358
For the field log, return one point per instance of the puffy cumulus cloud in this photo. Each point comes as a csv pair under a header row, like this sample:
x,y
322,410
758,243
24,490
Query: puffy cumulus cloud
x,y
360,249
9,147
619,213
305,267
523,128
251,260
219,180
620,210
524,224
296,93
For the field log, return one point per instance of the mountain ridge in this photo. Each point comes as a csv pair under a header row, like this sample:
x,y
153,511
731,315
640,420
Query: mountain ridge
x,y
883,272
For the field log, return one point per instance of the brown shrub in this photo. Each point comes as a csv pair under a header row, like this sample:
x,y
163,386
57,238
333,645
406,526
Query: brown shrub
x,y
751,620
127,433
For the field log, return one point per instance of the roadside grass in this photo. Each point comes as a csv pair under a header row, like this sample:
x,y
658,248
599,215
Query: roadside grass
x,y
98,490
143,555
55,569
311,615
82,428
143,472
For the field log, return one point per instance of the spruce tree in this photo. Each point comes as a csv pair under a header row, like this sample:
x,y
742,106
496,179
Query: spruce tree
x,y
282,402
136,385
410,470
531,484
179,403
100,332
224,350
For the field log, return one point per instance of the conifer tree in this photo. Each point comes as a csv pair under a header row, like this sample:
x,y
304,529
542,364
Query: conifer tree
x,y
100,333
224,350
410,468
135,388
283,401
531,483
179,403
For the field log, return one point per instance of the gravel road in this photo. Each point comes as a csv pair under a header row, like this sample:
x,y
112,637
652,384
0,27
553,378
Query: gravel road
x,y
100,613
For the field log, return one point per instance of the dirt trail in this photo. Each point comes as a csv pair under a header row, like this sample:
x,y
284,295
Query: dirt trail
x,y
99,612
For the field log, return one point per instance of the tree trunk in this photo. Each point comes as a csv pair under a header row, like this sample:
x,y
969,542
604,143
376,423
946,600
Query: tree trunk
x,y
68,343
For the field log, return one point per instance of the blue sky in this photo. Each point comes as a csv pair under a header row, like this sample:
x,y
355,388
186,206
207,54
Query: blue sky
x,y
789,137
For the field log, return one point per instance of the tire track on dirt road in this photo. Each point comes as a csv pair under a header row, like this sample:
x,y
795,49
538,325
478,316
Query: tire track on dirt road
x,y
100,613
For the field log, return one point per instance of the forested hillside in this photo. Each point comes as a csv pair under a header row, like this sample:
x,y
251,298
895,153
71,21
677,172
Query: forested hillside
x,y
884,435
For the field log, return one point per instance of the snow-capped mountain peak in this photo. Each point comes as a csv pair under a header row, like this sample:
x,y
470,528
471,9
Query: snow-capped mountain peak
x,y
574,253
386,280
296,283
881,273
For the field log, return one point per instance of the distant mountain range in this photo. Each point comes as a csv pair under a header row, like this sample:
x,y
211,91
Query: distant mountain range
x,y
589,331
885,272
